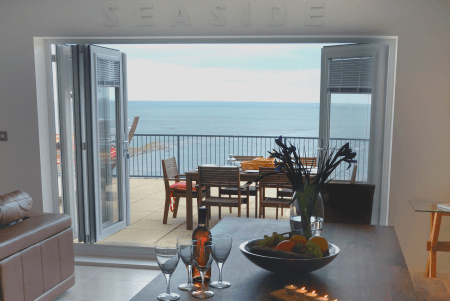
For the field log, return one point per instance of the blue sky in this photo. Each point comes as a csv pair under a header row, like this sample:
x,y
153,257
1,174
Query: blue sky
x,y
223,72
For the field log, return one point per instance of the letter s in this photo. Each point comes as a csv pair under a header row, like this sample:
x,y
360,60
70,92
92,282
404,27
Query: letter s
x,y
112,20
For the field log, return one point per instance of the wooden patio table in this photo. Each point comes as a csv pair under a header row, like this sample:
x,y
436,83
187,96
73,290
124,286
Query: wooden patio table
x,y
192,175
369,267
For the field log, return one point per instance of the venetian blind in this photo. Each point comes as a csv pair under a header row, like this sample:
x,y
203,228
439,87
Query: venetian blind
x,y
350,75
108,73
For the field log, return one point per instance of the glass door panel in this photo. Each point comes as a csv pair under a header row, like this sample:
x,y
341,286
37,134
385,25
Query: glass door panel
x,y
350,119
110,202
108,145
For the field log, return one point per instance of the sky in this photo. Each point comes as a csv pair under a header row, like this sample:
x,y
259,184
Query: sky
x,y
276,72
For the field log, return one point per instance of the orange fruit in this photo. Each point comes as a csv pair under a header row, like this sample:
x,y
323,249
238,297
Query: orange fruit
x,y
322,242
285,245
298,239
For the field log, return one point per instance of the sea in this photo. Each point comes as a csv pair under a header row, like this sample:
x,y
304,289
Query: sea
x,y
241,121
247,118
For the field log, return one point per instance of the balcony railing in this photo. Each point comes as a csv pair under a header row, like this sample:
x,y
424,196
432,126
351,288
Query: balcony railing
x,y
190,151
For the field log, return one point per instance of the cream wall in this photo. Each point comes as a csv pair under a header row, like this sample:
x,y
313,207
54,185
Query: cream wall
x,y
421,136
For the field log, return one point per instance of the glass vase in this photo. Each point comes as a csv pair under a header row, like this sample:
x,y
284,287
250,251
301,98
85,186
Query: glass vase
x,y
306,214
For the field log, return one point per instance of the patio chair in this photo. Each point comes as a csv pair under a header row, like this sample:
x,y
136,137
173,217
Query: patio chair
x,y
178,189
253,190
277,181
219,177
130,136
287,192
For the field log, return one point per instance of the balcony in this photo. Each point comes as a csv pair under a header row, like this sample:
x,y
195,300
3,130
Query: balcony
x,y
190,151
147,186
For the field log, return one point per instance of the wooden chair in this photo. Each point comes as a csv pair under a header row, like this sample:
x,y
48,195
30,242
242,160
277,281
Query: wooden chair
x,y
253,190
130,136
287,192
170,171
219,177
279,180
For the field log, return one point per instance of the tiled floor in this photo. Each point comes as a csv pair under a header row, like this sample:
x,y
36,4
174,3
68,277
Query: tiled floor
x,y
432,289
107,284
147,208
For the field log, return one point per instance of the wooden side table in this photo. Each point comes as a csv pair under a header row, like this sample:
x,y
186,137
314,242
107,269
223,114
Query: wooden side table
x,y
433,245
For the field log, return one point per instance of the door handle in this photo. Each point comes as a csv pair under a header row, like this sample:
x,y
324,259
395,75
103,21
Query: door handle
x,y
126,147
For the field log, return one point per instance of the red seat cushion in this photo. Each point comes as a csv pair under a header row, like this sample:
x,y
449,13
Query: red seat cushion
x,y
181,186
178,186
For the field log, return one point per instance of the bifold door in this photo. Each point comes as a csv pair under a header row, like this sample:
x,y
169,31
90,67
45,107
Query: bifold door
x,y
101,197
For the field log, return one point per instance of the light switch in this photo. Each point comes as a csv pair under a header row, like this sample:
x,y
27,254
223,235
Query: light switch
x,y
3,136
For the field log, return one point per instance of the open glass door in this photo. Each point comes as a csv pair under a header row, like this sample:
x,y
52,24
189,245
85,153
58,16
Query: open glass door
x,y
94,150
106,144
352,102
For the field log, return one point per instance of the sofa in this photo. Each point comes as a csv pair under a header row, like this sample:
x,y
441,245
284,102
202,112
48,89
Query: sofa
x,y
36,253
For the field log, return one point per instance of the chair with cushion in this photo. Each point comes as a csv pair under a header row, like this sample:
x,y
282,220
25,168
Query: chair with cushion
x,y
287,192
177,189
277,181
223,177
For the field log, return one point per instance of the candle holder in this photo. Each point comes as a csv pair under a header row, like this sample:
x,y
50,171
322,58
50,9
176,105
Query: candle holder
x,y
311,296
300,293
290,289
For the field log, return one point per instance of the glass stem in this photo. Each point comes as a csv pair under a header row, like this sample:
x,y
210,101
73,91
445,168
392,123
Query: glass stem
x,y
168,282
189,273
220,265
202,273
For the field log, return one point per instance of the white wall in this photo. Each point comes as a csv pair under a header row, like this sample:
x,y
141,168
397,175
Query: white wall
x,y
421,146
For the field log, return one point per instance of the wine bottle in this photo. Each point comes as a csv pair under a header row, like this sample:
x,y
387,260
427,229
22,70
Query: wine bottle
x,y
202,235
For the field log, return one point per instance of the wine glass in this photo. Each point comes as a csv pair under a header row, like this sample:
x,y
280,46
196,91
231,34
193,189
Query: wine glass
x,y
202,257
184,244
167,257
222,247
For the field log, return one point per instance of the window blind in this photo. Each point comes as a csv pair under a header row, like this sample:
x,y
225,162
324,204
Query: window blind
x,y
350,75
108,73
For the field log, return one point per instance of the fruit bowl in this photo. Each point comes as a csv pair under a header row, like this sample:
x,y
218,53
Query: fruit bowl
x,y
288,265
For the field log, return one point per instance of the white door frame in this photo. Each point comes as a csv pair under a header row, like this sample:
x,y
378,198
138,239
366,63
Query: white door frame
x,y
44,92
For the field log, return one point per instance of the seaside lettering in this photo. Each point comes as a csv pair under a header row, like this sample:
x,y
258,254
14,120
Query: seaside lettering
x,y
276,14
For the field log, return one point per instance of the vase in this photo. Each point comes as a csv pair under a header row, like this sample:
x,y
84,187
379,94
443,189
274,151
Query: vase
x,y
306,214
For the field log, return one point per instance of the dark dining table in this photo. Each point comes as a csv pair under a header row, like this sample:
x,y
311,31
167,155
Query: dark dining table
x,y
369,267
192,175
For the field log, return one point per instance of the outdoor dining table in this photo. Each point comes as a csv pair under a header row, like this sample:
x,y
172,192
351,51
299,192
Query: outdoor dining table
x,y
192,175
369,267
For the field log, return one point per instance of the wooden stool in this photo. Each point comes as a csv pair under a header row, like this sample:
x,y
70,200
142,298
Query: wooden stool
x,y
433,245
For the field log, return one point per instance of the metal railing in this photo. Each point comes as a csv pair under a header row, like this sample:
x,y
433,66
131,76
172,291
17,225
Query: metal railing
x,y
190,151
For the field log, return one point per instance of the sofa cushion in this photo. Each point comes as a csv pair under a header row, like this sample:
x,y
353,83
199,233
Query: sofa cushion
x,y
33,229
14,206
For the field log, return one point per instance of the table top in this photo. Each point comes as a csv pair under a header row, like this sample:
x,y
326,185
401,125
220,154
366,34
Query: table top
x,y
423,206
251,173
370,266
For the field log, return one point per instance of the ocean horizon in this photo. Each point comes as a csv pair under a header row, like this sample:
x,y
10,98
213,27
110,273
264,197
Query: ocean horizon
x,y
247,118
